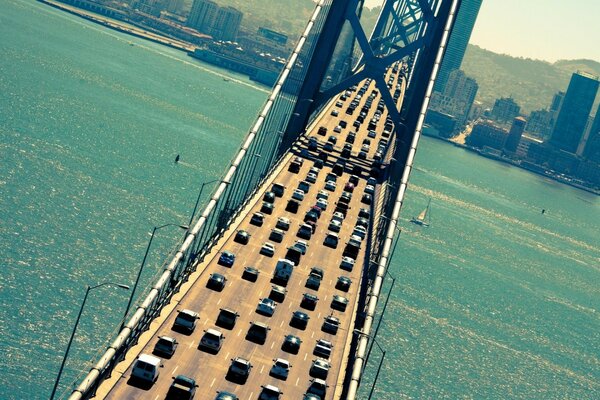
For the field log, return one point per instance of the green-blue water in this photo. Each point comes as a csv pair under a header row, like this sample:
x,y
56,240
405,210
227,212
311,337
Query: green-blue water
x,y
494,300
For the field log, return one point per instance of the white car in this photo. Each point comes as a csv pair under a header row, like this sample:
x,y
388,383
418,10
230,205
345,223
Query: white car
x,y
266,306
280,368
335,225
365,148
330,185
267,249
338,216
298,194
347,263
311,177
370,189
322,204
337,129
322,195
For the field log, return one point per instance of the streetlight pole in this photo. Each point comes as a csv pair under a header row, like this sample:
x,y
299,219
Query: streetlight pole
x,y
380,361
137,280
198,199
62,365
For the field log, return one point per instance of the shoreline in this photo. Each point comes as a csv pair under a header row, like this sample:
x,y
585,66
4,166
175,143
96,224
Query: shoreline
x,y
121,26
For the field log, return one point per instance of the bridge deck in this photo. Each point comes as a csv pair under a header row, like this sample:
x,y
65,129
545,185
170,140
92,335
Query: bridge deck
x,y
241,295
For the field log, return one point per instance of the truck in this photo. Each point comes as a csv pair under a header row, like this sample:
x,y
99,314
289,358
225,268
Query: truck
x,y
283,270
352,248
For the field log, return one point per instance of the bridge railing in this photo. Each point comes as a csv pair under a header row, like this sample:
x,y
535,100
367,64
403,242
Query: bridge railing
x,y
259,153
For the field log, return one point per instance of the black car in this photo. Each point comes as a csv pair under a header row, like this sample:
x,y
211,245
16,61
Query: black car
x,y
227,318
250,274
266,208
242,237
182,388
364,213
312,144
366,199
292,206
291,344
309,301
226,259
318,164
343,283
311,215
299,320
257,219
216,282
331,324
269,197
339,303
362,222
226,396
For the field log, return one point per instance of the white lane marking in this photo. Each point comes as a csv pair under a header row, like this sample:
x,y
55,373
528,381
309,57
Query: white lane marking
x,y
272,345
312,334
213,382
227,356
262,369
251,396
319,315
219,302
205,322
290,305
281,324
156,398
175,369
305,356
297,381
191,344
240,332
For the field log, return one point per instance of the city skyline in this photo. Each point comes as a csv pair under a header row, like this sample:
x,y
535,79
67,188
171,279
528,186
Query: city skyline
x,y
561,32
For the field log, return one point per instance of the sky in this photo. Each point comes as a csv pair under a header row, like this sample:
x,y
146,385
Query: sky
x,y
547,30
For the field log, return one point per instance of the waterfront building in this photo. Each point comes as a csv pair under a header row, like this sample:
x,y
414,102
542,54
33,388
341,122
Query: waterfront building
x,y
592,146
459,38
175,6
226,24
514,135
273,36
202,15
574,112
540,123
525,143
487,134
457,99
505,109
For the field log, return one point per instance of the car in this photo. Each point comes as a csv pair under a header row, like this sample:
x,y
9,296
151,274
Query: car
x,y
351,137
270,392
165,346
328,147
335,225
216,282
323,195
331,324
146,368
309,301
322,204
337,129
269,197
318,163
304,186
353,180
323,348
305,231
257,219
313,144
280,368
366,198
277,293
278,189
267,249
371,181
370,189
302,246
362,222
292,206
299,320
319,368
313,281
339,303
186,321
322,131
347,263
291,344
212,341
295,167
311,177
267,208
331,240
362,155
330,185
349,187
250,274
226,396
317,387
335,113
239,369
226,259
347,150
266,307
257,332
372,134
365,148
283,223
182,388
242,237
360,231
337,216
227,318
276,235
298,195
346,197
317,210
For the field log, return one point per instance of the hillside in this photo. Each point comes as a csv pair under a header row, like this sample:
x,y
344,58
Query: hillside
x,y
532,83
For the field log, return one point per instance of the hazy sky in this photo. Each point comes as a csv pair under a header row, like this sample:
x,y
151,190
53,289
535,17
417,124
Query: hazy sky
x,y
541,29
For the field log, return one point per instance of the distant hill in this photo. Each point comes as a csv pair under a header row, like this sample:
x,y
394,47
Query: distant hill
x,y
532,83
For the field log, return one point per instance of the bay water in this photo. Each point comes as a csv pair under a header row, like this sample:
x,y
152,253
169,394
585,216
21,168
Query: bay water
x,y
495,300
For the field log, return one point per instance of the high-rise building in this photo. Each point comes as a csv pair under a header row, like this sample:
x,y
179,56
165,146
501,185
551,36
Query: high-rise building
x,y
574,112
459,38
505,109
458,97
592,147
514,135
226,24
540,123
202,15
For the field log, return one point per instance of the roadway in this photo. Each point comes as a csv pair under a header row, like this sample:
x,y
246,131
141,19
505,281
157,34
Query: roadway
x,y
241,295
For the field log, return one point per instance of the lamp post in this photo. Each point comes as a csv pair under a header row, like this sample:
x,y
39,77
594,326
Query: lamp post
x,y
198,199
137,280
62,365
380,361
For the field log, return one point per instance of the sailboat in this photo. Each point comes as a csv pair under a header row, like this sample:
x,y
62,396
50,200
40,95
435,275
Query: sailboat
x,y
423,218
